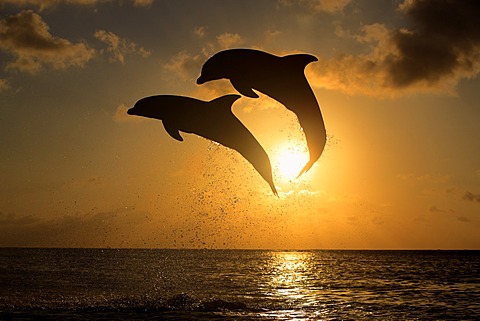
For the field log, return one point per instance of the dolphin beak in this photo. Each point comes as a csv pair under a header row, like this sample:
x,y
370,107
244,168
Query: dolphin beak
x,y
200,80
131,111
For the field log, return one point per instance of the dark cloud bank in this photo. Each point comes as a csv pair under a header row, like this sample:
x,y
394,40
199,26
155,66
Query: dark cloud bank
x,y
444,38
437,48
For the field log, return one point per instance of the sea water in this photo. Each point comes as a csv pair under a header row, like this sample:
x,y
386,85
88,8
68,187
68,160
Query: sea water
x,y
136,284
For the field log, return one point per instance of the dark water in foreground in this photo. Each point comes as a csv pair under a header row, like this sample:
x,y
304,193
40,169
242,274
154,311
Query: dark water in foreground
x,y
94,284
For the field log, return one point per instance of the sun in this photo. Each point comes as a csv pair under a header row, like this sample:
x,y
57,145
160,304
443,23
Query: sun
x,y
288,160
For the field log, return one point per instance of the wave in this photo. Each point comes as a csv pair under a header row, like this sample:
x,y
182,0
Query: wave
x,y
123,308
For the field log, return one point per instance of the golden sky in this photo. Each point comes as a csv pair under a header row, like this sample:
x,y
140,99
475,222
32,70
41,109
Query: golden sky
x,y
397,82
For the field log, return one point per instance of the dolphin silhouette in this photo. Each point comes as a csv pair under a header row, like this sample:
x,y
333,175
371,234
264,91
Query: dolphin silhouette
x,y
213,120
281,78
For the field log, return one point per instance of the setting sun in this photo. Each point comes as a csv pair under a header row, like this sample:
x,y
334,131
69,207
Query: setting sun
x,y
289,159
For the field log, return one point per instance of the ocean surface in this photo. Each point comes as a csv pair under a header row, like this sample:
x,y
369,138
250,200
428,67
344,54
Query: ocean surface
x,y
133,284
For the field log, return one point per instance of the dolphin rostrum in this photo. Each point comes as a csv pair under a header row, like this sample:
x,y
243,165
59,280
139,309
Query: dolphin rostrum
x,y
213,120
281,78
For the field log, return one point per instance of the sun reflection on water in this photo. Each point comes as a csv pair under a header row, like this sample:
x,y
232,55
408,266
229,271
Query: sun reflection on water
x,y
291,281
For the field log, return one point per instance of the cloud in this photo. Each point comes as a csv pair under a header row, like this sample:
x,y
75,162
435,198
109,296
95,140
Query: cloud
x,y
82,183
45,4
430,178
200,31
444,41
302,192
436,209
229,40
4,86
186,65
118,47
471,197
103,228
142,3
440,47
448,213
460,193
271,35
26,37
317,6
13,219
308,192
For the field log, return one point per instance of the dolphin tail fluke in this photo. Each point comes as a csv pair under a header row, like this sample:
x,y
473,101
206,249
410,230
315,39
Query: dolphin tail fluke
x,y
306,168
274,190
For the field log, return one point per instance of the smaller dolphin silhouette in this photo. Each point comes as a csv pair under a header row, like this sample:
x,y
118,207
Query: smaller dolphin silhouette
x,y
281,78
213,120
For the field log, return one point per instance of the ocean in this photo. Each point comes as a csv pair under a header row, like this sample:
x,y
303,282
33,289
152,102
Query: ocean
x,y
150,284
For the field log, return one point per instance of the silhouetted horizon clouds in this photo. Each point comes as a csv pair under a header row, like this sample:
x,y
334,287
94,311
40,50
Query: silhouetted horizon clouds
x,y
281,78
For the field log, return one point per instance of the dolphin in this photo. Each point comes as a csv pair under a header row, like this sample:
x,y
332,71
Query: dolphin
x,y
213,120
281,78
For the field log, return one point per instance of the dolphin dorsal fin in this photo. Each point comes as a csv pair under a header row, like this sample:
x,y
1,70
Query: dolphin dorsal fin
x,y
172,131
301,60
225,101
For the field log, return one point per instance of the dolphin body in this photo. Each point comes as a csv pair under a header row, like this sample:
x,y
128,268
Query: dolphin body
x,y
213,120
281,78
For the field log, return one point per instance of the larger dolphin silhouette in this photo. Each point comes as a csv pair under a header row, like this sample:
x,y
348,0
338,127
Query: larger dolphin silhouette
x,y
213,120
281,78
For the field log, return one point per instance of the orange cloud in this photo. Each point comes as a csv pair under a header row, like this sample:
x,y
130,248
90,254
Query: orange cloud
x,y
14,219
142,3
317,6
44,4
471,197
185,65
440,47
26,37
200,31
118,47
229,40
4,86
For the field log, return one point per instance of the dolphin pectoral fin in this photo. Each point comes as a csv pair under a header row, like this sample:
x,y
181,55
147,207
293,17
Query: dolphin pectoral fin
x,y
173,131
244,89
